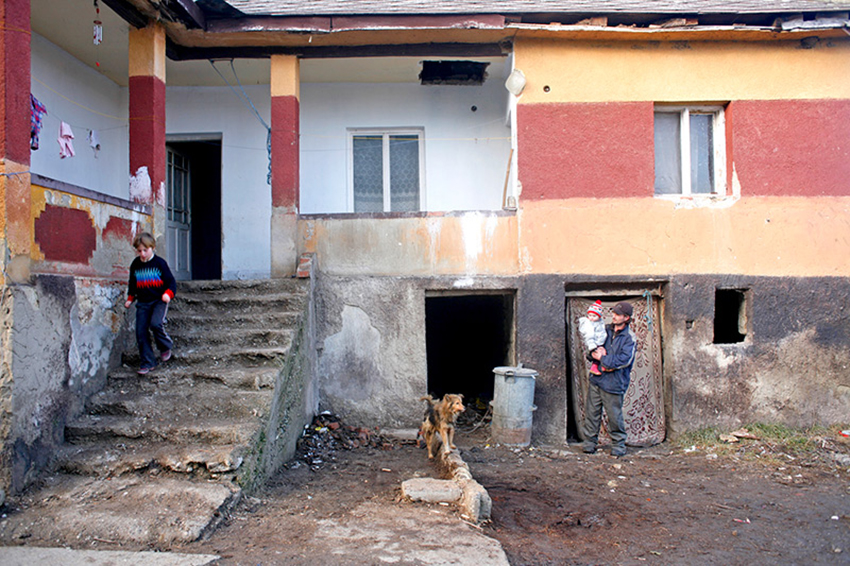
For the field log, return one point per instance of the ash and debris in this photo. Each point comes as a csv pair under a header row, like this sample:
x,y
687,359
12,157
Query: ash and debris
x,y
328,434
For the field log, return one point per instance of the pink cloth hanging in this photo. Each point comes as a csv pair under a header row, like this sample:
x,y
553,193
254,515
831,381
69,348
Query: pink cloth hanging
x,y
66,137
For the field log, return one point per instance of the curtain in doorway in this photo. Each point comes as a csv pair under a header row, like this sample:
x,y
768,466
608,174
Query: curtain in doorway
x,y
643,405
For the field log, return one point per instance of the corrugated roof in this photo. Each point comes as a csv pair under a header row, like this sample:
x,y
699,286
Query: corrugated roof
x,y
402,7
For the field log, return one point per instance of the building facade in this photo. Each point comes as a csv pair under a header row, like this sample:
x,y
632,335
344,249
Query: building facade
x,y
466,179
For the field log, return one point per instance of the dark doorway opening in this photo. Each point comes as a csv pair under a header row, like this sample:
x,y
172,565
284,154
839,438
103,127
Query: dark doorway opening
x,y
466,337
204,158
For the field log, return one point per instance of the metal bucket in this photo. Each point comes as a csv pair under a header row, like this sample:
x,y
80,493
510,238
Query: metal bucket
x,y
513,405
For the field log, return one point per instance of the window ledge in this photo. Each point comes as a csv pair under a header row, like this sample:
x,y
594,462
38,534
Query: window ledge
x,y
700,201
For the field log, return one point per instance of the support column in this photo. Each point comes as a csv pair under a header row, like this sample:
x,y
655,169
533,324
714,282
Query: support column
x,y
147,124
285,108
16,223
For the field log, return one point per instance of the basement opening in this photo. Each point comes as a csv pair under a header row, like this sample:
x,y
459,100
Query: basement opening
x,y
730,316
466,337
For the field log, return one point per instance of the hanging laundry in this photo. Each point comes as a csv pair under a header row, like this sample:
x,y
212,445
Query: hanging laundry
x,y
94,141
66,137
37,110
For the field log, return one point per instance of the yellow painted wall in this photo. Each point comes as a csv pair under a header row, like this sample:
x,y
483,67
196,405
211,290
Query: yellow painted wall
x,y
771,236
681,71
467,244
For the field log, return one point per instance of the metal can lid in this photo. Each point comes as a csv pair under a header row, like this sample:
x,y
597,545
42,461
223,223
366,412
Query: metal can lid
x,y
515,371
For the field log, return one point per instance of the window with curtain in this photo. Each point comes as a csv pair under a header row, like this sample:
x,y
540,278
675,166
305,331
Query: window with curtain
x,y
386,170
689,151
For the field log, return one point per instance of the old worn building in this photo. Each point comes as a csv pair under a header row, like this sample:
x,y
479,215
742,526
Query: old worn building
x,y
465,177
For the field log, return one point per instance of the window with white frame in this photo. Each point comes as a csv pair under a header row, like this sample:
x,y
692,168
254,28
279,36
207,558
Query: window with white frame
x,y
385,170
690,151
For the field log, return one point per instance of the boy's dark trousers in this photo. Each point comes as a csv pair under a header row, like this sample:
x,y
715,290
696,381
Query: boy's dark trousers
x,y
151,317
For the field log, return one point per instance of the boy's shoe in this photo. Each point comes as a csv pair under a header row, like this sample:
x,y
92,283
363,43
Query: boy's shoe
x,y
144,371
618,452
594,369
588,448
165,356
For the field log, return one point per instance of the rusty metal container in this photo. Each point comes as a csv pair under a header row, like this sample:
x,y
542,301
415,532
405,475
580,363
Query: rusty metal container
x,y
513,405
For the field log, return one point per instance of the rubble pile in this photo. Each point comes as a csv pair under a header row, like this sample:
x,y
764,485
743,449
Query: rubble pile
x,y
328,434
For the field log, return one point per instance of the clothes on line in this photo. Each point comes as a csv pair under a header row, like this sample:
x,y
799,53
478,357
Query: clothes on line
x,y
65,139
37,110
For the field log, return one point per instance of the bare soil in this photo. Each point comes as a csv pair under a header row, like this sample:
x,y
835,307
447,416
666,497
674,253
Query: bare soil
x,y
750,503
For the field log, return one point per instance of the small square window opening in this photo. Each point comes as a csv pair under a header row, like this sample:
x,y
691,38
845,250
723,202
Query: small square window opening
x,y
730,316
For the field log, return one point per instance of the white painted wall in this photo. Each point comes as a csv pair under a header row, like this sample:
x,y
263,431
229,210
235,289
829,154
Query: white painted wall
x,y
245,195
85,99
466,152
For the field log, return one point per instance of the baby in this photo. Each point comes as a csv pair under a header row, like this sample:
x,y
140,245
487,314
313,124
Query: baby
x,y
592,330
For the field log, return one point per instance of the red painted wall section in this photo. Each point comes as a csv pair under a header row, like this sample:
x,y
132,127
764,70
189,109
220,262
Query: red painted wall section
x,y
15,100
285,151
65,234
791,147
119,229
597,150
147,131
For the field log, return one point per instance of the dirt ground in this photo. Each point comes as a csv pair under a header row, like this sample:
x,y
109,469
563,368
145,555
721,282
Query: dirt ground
x,y
752,502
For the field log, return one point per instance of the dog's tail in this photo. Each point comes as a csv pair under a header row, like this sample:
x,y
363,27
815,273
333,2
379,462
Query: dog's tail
x,y
428,399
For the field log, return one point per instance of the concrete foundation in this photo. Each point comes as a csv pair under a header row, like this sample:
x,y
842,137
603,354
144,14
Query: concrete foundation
x,y
789,367
64,330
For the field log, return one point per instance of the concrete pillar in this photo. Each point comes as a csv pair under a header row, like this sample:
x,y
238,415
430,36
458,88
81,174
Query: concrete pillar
x,y
285,87
16,219
16,225
147,124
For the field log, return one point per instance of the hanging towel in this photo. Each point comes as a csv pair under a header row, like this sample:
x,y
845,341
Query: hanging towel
x,y
66,137
37,110
94,141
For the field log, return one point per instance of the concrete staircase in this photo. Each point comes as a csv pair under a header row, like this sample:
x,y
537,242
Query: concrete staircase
x,y
160,458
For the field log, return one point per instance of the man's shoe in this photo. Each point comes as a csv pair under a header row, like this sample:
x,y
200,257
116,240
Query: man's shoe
x,y
618,452
588,448
165,356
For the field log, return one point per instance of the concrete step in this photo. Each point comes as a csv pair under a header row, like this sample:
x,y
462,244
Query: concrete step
x,y
224,356
235,286
196,304
153,512
224,337
235,377
111,459
181,321
175,428
191,399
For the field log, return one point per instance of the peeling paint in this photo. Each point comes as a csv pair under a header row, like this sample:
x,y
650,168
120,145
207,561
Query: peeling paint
x,y
140,186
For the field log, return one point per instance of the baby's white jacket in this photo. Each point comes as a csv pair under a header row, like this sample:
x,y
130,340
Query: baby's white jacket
x,y
592,333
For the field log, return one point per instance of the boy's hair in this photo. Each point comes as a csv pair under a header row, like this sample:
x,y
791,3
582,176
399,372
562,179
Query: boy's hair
x,y
144,239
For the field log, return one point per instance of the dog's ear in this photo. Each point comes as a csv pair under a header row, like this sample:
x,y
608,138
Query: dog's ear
x,y
460,395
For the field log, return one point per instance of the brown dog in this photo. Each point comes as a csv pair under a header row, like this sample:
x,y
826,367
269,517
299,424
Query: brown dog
x,y
440,419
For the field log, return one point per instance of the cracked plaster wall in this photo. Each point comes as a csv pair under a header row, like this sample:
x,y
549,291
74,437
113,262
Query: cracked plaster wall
x,y
793,368
371,349
59,338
